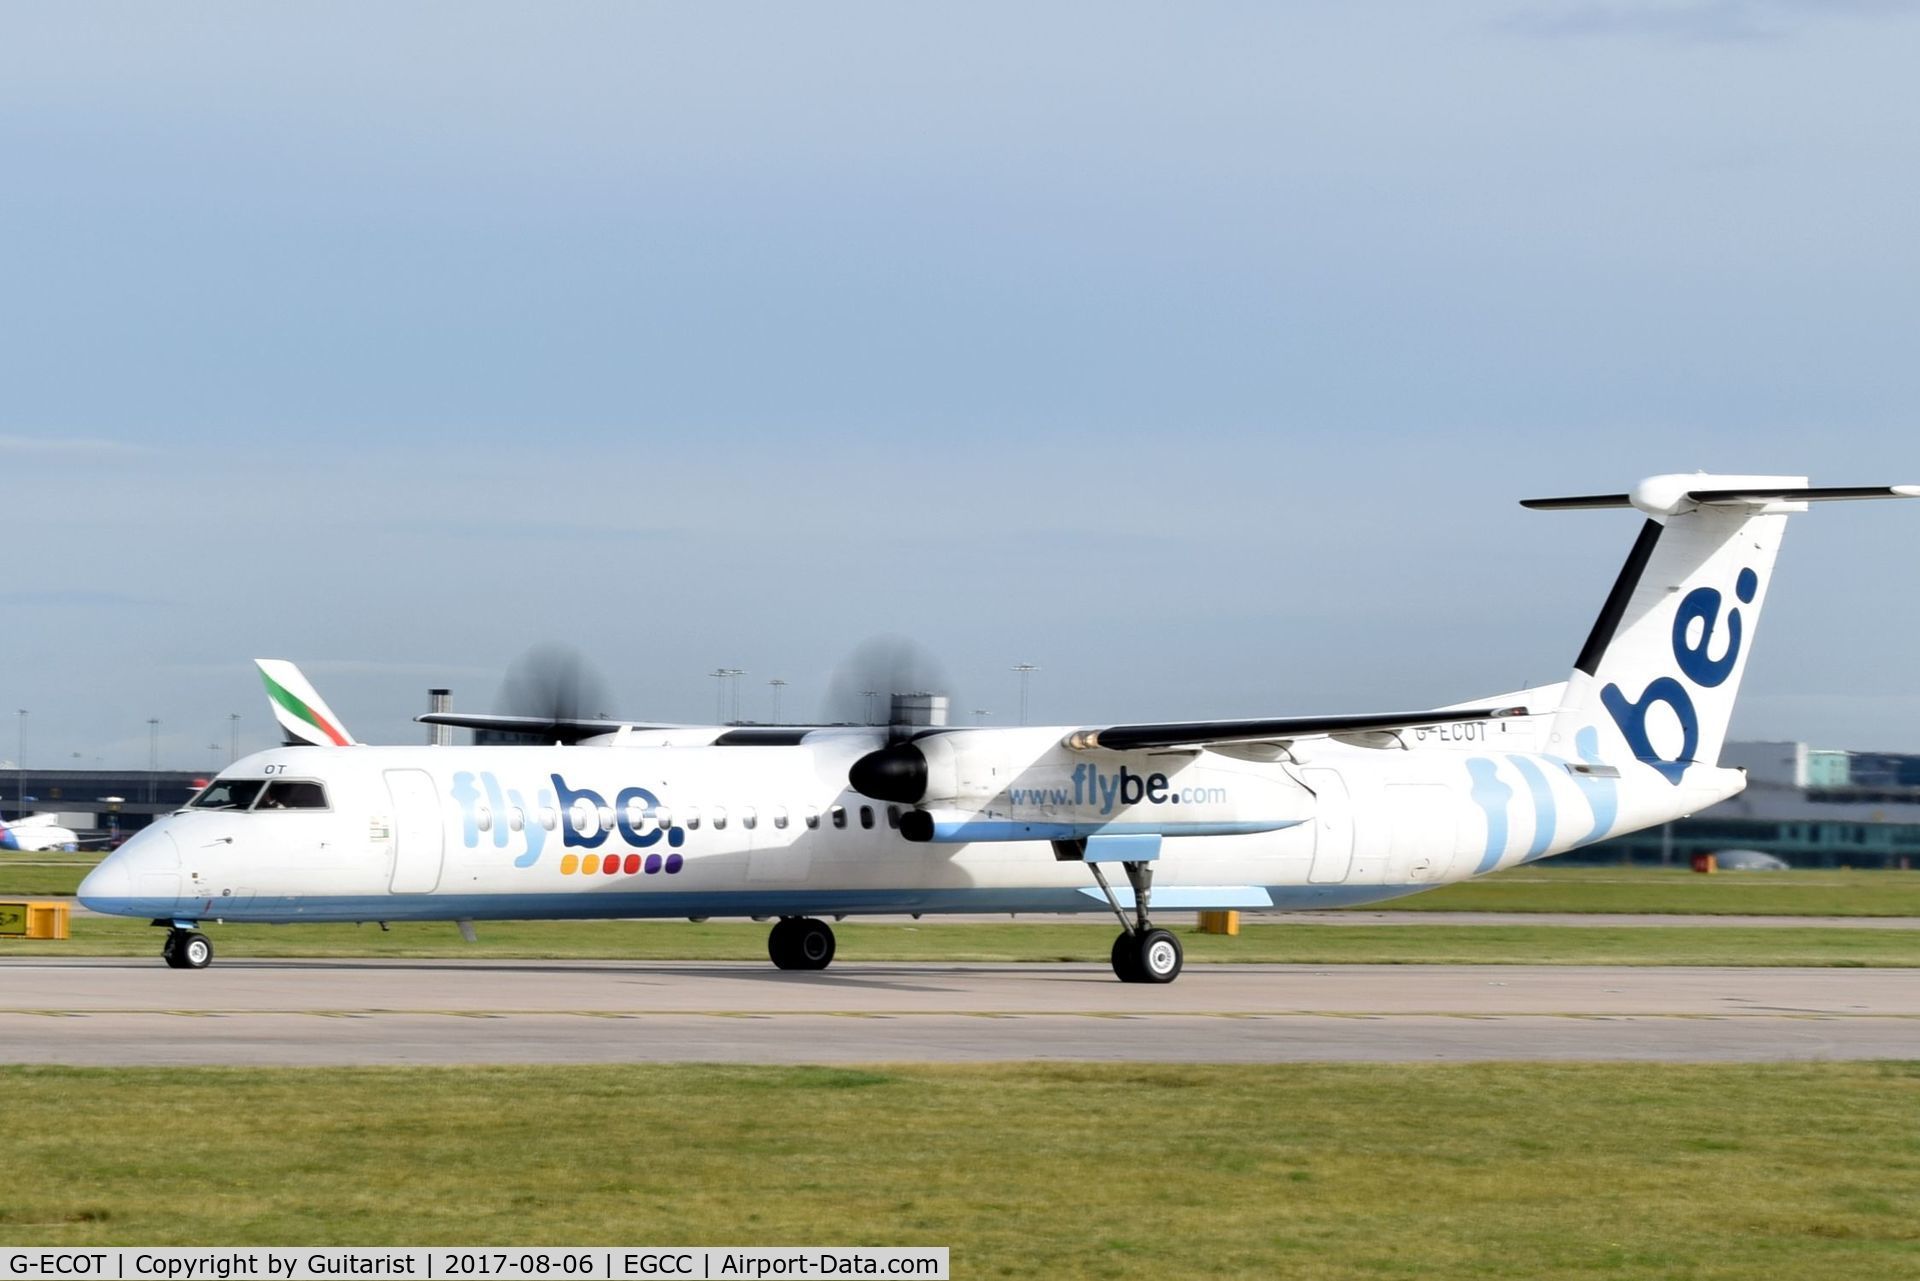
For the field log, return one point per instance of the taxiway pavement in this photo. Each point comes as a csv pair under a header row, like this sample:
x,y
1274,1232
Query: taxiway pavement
x,y
123,1011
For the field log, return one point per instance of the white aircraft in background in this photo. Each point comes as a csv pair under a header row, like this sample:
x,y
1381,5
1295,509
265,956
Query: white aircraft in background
x,y
39,832
624,819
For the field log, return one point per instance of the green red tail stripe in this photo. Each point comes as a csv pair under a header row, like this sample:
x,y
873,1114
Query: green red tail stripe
x,y
301,711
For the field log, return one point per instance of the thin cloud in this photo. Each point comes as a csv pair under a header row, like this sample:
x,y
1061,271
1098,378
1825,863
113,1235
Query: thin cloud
x,y
81,597
511,528
1694,21
369,667
69,448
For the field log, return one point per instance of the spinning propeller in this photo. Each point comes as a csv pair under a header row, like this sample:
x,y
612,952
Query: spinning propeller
x,y
891,678
555,685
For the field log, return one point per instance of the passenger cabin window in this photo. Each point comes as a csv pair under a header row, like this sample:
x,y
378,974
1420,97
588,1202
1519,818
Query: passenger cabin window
x,y
839,813
291,794
229,794
866,816
893,816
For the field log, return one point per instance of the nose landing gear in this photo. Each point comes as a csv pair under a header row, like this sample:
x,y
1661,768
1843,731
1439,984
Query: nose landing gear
x,y
1143,953
187,949
800,943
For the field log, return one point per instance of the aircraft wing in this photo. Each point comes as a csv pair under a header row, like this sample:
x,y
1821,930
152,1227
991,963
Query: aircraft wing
x,y
546,728
1121,738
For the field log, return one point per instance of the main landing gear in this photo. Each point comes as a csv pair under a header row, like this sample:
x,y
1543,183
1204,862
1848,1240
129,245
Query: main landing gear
x,y
800,943
1143,953
187,949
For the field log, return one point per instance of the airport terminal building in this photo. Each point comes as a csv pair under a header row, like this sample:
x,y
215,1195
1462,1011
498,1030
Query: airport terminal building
x,y
98,802
1813,807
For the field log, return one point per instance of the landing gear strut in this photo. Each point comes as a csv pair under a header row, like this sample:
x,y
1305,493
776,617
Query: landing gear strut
x,y
1143,953
187,949
800,943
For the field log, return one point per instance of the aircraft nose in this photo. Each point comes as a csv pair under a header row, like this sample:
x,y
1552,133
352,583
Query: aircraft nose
x,y
109,881
141,878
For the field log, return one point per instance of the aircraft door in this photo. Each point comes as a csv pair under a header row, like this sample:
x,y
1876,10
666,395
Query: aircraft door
x,y
1332,827
418,839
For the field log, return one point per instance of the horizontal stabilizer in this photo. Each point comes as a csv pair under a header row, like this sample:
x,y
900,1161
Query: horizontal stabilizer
x,y
1818,494
1578,503
1122,738
1664,495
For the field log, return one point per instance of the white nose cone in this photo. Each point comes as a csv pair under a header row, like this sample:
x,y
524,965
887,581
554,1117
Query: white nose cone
x,y
141,878
105,884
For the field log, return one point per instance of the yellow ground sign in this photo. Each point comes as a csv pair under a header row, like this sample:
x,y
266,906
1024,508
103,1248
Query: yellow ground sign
x,y
13,920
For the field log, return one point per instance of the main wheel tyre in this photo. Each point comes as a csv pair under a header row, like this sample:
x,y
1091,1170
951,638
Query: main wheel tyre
x,y
1125,960
170,951
1158,956
195,952
780,944
813,944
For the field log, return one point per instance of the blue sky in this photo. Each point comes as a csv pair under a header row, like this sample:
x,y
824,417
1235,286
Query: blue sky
x,y
1194,353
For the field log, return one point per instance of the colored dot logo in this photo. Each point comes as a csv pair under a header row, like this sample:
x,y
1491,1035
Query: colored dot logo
x,y
615,865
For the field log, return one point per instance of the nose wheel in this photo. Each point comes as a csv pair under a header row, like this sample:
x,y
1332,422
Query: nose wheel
x,y
800,943
187,950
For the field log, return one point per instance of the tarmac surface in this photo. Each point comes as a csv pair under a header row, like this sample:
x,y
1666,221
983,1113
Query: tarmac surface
x,y
125,1011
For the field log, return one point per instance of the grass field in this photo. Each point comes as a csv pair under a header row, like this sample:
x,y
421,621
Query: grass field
x,y
39,881
1298,1171
1087,940
1543,887
1539,888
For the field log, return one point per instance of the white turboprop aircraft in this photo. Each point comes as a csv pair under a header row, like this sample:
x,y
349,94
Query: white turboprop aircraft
x,y
635,820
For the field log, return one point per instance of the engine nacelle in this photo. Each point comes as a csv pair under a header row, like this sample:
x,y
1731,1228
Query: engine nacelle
x,y
959,770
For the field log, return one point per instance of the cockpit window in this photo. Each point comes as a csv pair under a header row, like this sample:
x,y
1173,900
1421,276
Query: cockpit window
x,y
293,794
229,794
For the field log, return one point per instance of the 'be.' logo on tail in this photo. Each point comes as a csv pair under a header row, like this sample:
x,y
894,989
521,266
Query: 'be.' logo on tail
x,y
1693,654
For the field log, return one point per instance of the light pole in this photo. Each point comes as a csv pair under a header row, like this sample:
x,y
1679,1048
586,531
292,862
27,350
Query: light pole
x,y
870,695
1026,671
778,685
728,692
20,769
233,737
980,715
214,757
153,756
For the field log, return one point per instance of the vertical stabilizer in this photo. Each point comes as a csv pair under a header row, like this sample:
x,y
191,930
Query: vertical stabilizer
x,y
1657,678
303,715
